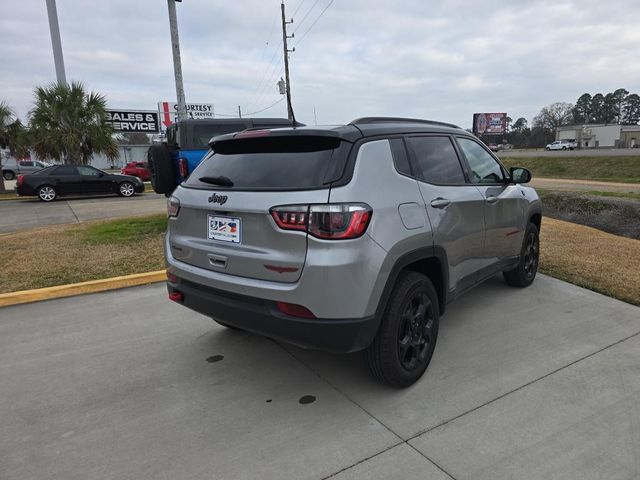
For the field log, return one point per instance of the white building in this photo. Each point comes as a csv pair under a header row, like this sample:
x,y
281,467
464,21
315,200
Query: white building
x,y
601,135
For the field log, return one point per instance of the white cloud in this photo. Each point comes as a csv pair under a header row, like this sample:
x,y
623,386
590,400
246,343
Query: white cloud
x,y
442,60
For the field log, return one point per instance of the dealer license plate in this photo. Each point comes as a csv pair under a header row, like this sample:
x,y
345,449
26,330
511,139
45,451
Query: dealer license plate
x,y
224,229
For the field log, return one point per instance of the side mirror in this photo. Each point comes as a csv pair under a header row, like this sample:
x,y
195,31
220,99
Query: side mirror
x,y
520,175
101,174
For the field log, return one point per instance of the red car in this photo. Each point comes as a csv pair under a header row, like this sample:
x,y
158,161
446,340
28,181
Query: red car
x,y
137,169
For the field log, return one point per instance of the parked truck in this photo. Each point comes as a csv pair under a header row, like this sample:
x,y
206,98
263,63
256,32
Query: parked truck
x,y
11,170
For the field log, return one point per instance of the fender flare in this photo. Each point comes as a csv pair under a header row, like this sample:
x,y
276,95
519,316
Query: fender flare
x,y
407,259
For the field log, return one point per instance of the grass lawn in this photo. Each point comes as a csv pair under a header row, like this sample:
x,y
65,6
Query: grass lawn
x,y
58,255
74,253
610,169
591,258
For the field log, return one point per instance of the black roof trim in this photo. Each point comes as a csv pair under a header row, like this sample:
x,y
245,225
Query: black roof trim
x,y
370,120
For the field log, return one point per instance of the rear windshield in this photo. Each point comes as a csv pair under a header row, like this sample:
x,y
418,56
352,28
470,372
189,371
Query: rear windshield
x,y
276,163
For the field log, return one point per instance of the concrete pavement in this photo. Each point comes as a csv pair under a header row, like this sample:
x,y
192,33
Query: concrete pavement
x,y
534,383
28,213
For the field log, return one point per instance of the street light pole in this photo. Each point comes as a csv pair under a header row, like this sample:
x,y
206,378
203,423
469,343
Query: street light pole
x,y
54,28
177,66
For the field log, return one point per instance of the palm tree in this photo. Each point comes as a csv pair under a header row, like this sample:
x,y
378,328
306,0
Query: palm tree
x,y
6,116
69,124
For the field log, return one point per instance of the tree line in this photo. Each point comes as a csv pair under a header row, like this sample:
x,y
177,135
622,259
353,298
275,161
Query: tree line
x,y
619,107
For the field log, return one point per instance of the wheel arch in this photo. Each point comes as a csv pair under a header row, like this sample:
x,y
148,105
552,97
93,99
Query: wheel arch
x,y
430,261
536,219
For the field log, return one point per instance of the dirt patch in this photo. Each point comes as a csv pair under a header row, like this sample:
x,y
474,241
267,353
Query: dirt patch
x,y
619,216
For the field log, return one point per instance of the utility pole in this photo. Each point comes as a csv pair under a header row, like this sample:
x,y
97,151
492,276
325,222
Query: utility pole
x,y
177,66
54,28
286,63
239,112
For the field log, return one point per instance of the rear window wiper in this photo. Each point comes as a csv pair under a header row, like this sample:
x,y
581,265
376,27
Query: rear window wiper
x,y
222,181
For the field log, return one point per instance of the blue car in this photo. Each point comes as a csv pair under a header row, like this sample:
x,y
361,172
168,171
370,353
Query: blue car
x,y
188,142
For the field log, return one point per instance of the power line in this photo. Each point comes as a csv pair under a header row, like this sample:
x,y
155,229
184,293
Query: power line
x,y
305,16
266,108
277,70
261,85
261,58
298,8
314,22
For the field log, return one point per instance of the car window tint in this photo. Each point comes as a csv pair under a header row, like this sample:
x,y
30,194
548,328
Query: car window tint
x,y
88,171
26,164
400,159
66,170
484,168
436,160
273,163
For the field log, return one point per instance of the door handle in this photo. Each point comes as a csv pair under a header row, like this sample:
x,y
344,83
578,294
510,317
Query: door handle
x,y
440,202
217,261
492,199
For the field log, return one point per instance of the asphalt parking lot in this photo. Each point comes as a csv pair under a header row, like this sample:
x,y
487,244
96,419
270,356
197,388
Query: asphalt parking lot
x,y
537,383
25,213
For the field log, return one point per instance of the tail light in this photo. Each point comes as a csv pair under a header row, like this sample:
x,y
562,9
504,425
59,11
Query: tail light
x,y
183,167
294,310
20,180
337,221
173,207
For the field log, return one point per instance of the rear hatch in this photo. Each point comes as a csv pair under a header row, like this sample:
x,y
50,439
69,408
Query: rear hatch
x,y
224,222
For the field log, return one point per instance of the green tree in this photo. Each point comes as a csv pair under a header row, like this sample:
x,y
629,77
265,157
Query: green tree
x,y
619,99
631,111
582,110
609,109
597,108
519,125
69,124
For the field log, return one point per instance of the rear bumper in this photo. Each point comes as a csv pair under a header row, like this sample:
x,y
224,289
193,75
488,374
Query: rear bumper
x,y
262,317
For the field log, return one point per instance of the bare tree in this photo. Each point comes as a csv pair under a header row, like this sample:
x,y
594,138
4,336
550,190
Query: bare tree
x,y
554,115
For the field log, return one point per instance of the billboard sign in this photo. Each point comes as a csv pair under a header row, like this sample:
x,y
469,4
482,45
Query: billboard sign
x,y
168,111
489,123
128,121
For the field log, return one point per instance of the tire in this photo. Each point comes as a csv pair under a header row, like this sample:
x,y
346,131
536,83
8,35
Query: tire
x,y
163,177
547,149
47,193
126,189
401,351
564,148
8,175
525,273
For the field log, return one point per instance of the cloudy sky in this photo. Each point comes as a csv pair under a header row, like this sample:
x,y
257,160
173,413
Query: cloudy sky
x,y
442,60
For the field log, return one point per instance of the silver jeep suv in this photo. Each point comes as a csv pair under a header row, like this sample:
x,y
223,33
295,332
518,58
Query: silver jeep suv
x,y
349,238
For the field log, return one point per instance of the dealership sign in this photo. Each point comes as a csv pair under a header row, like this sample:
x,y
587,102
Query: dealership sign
x,y
489,123
124,121
168,111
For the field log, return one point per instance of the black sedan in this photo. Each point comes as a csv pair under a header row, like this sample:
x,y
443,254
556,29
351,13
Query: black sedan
x,y
60,180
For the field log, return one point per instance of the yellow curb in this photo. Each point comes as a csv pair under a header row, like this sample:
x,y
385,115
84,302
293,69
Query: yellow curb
x,y
93,286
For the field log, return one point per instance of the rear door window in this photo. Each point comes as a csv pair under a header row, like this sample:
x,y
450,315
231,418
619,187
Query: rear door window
x,y
275,163
436,160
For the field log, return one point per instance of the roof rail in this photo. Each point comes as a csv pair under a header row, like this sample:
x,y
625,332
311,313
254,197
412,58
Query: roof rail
x,y
369,120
